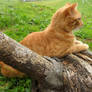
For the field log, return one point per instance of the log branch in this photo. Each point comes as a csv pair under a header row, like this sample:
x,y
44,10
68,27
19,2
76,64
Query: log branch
x,y
71,73
29,62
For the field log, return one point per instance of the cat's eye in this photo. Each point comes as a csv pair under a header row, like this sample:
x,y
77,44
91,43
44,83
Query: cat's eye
x,y
78,18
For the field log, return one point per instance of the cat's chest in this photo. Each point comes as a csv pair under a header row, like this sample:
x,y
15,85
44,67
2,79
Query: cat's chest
x,y
61,44
55,48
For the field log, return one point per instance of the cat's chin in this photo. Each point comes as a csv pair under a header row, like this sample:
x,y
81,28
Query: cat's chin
x,y
76,29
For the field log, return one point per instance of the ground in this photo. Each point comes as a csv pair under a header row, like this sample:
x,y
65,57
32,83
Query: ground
x,y
17,19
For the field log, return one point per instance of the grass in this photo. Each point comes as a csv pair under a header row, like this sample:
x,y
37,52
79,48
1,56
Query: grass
x,y
17,19
20,20
14,84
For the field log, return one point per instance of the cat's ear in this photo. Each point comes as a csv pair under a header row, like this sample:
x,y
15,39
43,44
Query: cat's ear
x,y
74,6
70,9
67,4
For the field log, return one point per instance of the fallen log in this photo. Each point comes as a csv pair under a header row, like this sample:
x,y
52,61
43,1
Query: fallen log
x,y
71,73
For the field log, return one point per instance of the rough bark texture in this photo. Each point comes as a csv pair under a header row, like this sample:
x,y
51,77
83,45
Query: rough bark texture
x,y
47,72
77,73
72,73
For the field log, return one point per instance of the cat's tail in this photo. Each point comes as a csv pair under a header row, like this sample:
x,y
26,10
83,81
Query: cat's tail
x,y
8,71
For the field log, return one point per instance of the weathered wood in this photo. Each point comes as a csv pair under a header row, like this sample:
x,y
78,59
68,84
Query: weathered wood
x,y
47,72
88,53
72,73
77,74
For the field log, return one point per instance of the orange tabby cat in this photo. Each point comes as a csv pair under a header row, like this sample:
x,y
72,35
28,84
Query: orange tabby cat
x,y
56,40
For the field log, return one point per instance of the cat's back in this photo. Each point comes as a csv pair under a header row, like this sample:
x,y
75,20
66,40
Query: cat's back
x,y
35,41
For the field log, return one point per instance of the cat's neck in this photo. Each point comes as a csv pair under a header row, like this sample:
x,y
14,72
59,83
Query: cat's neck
x,y
59,33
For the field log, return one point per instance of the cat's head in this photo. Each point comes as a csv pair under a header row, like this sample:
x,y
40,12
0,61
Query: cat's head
x,y
67,18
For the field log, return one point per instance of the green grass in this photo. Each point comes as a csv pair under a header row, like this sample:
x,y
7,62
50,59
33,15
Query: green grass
x,y
14,84
17,19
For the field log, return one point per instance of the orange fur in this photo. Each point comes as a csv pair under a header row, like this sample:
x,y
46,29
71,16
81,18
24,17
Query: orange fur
x,y
57,39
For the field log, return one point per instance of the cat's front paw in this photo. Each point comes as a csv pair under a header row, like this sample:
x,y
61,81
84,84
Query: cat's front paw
x,y
78,42
85,47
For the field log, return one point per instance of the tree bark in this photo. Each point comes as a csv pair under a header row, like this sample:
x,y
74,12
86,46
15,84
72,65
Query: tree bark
x,y
72,73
